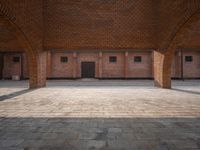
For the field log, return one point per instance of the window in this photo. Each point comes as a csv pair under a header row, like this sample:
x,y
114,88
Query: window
x,y
16,59
188,58
64,59
112,59
137,59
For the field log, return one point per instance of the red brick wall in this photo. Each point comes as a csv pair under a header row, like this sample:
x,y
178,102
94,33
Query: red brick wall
x,y
25,67
191,69
87,57
140,70
113,70
109,70
11,68
176,64
59,69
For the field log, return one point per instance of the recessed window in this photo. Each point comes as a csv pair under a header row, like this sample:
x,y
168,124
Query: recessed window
x,y
64,59
16,59
138,59
188,58
112,59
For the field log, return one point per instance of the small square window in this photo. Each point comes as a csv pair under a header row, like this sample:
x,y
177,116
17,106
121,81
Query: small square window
x,y
137,59
64,59
16,59
188,58
112,59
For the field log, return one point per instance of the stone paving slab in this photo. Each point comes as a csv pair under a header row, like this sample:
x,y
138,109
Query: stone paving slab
x,y
100,116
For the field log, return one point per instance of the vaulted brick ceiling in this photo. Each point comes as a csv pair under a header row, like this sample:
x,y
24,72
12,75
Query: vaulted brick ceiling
x,y
99,24
8,41
91,24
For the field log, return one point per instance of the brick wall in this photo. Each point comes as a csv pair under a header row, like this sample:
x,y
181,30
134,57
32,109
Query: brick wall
x,y
140,69
176,64
191,69
25,66
11,68
87,57
113,70
144,69
60,69
94,24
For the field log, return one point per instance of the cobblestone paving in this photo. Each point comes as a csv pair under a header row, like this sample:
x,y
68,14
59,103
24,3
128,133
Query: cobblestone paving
x,y
100,115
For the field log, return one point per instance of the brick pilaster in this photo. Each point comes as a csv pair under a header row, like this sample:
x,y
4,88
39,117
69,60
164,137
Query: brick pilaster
x,y
126,70
100,65
75,65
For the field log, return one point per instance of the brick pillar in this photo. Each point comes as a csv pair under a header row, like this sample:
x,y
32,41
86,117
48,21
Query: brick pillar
x,y
37,70
162,70
126,70
75,65
100,65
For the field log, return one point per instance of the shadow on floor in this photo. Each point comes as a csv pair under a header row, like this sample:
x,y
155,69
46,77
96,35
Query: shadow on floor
x,y
101,84
15,94
186,91
100,133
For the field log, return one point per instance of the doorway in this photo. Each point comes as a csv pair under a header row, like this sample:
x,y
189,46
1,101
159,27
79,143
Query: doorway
x,y
88,69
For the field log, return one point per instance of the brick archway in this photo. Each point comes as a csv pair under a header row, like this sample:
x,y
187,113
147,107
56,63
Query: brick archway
x,y
36,59
163,58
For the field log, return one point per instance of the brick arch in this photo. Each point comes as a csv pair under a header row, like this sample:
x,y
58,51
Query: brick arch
x,y
163,59
5,11
36,70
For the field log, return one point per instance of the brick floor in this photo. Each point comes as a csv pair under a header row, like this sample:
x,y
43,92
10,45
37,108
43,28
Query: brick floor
x,y
100,115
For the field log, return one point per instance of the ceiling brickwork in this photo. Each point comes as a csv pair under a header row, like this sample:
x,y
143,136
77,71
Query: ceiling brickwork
x,y
28,16
172,15
101,24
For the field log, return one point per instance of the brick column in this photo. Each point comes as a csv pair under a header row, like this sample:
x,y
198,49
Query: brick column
x,y
75,65
100,65
162,70
126,70
37,69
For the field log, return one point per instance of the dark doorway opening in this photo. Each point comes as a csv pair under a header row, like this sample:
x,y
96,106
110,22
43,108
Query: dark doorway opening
x,y
1,66
88,69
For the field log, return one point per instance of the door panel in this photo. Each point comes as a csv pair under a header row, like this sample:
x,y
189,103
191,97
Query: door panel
x,y
88,69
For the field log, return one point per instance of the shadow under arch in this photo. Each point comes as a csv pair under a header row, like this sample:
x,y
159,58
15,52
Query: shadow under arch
x,y
32,56
165,58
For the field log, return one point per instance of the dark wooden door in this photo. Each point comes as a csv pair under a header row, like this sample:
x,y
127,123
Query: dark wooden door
x,y
88,69
1,66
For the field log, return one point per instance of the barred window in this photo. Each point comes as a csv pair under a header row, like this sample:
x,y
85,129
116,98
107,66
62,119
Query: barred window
x,y
112,59
137,59
64,59
188,58
16,59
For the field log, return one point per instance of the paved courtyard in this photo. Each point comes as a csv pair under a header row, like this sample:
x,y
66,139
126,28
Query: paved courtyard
x,y
100,115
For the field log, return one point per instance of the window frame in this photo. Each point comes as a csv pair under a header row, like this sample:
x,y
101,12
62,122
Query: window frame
x,y
64,59
112,59
16,59
188,59
135,59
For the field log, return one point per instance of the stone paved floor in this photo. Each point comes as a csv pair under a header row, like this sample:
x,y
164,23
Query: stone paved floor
x,y
100,115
